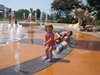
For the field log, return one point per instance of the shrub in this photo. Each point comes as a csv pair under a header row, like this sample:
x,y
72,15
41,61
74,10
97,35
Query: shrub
x,y
62,20
98,22
74,21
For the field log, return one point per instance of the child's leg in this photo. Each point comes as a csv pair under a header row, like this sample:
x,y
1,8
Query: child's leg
x,y
50,52
59,48
46,53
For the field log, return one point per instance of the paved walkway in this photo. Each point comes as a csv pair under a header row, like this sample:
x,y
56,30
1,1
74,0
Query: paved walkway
x,y
83,60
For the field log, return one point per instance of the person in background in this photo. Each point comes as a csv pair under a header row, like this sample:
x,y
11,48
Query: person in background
x,y
9,16
83,22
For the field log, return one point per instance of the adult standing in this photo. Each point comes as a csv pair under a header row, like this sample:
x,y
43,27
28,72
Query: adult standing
x,y
10,16
79,13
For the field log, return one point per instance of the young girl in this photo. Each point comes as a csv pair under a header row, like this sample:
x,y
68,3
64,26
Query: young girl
x,y
49,42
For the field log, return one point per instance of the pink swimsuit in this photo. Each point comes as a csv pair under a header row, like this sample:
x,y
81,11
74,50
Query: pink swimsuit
x,y
47,37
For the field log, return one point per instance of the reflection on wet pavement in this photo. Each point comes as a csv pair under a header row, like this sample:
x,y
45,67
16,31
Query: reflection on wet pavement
x,y
88,45
32,41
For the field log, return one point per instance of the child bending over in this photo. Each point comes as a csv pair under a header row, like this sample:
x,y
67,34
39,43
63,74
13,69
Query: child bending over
x,y
65,42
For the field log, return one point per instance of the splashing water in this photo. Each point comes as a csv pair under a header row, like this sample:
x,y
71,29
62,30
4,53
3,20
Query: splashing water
x,y
17,53
46,19
41,19
12,34
43,52
55,54
17,58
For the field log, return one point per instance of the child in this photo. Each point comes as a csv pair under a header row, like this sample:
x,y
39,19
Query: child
x,y
60,35
65,42
49,42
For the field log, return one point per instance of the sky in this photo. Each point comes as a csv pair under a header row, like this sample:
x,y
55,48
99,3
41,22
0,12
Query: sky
x,y
43,5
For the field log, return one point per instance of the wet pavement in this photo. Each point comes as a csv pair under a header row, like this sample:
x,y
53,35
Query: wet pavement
x,y
86,54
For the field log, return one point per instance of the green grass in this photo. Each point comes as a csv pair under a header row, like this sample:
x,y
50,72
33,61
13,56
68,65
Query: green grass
x,y
3,21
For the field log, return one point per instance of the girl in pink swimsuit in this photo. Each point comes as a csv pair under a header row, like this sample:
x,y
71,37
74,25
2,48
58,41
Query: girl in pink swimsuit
x,y
49,42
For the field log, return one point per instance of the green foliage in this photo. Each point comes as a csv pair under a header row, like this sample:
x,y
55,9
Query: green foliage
x,y
98,22
1,15
74,21
98,14
19,13
94,3
38,13
22,14
61,20
43,15
33,13
65,5
66,20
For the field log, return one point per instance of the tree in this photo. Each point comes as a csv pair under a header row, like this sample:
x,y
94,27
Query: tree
x,y
65,5
19,13
43,15
33,13
1,15
96,5
38,12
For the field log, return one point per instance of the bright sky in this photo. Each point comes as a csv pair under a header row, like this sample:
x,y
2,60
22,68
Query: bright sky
x,y
43,5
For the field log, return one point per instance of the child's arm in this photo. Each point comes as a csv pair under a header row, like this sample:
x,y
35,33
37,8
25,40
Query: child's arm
x,y
57,36
81,21
62,36
46,42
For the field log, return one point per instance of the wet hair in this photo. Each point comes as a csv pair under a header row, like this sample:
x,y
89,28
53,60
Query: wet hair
x,y
48,26
71,33
15,21
9,10
65,34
